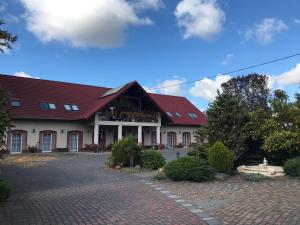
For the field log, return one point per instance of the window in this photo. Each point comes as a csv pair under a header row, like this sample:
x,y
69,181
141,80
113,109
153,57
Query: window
x,y
47,142
73,141
178,114
169,114
153,138
67,107
193,115
44,105
15,103
16,142
75,107
71,107
52,106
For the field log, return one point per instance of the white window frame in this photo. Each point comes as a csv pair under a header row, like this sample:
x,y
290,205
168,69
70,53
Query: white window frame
x,y
11,143
77,144
51,141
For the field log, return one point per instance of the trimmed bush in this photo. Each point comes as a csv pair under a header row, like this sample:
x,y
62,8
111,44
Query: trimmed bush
x,y
125,152
292,167
4,190
159,176
256,177
221,158
152,159
189,169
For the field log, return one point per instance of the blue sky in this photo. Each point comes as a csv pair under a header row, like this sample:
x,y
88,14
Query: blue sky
x,y
156,42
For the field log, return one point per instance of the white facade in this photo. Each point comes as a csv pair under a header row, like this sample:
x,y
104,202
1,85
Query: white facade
x,y
113,131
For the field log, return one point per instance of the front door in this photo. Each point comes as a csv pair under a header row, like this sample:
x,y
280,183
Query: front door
x,y
47,142
186,139
102,139
16,143
171,139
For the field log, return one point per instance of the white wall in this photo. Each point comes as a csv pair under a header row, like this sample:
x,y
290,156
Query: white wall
x,y
58,126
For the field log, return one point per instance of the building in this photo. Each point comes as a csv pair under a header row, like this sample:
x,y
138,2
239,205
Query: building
x,y
51,115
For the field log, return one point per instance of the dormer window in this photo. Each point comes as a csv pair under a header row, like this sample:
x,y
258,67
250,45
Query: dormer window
x,y
15,103
52,106
169,114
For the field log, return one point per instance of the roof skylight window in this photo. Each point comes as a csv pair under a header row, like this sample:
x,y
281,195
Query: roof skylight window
x,y
44,105
75,107
68,107
15,103
193,115
169,114
178,114
52,106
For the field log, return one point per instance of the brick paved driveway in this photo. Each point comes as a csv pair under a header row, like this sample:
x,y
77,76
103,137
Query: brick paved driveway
x,y
75,189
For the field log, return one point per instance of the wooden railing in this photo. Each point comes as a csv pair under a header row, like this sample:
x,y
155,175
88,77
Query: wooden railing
x,y
149,117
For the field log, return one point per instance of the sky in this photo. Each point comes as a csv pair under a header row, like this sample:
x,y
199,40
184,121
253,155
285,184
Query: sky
x,y
159,43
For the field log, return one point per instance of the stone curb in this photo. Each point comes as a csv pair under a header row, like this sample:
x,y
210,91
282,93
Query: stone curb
x,y
205,216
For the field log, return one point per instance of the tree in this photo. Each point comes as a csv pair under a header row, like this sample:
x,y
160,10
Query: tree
x,y
5,118
227,117
6,38
251,89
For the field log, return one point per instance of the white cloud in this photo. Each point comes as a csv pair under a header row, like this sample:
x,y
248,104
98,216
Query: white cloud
x,y
296,21
23,74
80,23
207,88
148,4
227,59
288,78
265,31
149,90
199,18
171,86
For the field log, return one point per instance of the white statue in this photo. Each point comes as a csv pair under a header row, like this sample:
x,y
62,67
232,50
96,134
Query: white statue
x,y
265,163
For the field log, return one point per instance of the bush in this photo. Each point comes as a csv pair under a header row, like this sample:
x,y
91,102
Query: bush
x,y
125,152
282,145
32,149
200,151
189,169
255,177
152,159
221,158
160,176
62,150
292,167
4,190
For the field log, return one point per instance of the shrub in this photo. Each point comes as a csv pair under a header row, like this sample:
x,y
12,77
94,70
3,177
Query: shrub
x,y
61,150
126,152
189,169
200,151
32,149
152,159
282,145
292,167
4,190
160,176
255,177
221,158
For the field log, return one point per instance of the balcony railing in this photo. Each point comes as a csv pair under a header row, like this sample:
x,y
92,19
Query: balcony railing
x,y
148,117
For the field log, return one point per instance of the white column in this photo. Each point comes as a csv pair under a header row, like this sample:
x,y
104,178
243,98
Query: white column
x,y
140,135
96,134
158,135
120,136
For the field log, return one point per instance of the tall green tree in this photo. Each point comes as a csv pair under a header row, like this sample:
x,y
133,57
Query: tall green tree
x,y
5,118
6,38
227,117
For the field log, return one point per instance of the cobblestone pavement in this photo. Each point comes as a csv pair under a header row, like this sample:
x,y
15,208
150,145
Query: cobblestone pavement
x,y
76,189
243,202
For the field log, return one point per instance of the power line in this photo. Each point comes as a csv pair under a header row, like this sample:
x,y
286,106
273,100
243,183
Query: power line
x,y
233,71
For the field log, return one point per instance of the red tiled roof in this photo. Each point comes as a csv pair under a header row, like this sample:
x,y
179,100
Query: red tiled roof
x,y
181,105
31,92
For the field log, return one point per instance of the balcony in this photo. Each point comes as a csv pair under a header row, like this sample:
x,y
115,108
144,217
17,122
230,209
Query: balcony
x,y
145,117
